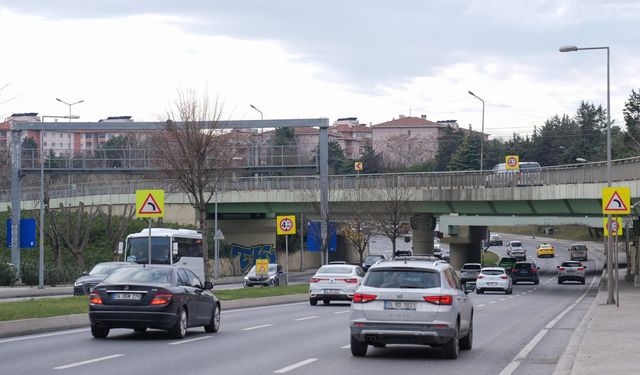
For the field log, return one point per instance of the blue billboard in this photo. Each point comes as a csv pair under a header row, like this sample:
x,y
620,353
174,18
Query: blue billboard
x,y
27,233
314,236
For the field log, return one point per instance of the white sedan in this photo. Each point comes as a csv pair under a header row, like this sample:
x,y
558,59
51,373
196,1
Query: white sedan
x,y
335,282
493,279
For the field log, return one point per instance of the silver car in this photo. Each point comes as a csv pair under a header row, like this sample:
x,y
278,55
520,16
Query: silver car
x,y
276,276
335,282
412,301
571,271
469,272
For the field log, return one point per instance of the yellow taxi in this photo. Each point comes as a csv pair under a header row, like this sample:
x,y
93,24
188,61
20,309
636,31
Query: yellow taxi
x,y
546,250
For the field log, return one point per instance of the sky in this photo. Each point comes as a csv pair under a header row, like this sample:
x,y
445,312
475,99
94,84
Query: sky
x,y
374,60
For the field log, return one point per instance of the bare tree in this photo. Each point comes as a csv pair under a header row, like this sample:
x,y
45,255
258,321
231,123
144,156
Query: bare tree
x,y
117,225
197,152
73,229
401,151
396,209
359,226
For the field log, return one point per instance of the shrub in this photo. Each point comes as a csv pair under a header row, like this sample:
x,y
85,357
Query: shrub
x,y
7,274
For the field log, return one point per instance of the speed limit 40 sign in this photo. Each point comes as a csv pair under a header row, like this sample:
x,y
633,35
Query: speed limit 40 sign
x,y
286,224
512,162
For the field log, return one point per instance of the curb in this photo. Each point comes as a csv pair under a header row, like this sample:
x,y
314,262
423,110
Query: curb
x,y
58,323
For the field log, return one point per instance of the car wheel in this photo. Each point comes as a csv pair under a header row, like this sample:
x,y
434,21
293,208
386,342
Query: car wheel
x,y
99,332
451,349
508,291
582,281
536,282
559,280
276,282
313,301
214,324
140,329
467,342
358,349
326,301
479,291
179,329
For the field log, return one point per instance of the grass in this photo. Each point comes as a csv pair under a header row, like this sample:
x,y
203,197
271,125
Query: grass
x,y
563,232
48,307
490,258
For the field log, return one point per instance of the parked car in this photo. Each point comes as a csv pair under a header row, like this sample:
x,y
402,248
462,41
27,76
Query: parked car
x,y
507,263
412,301
371,260
493,279
571,271
276,276
153,296
578,252
525,271
546,250
470,271
83,285
335,282
495,240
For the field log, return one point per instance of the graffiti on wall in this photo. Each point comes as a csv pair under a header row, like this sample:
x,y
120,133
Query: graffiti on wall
x,y
248,254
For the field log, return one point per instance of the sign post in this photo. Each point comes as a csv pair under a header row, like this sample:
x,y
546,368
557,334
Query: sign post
x,y
286,225
150,204
615,201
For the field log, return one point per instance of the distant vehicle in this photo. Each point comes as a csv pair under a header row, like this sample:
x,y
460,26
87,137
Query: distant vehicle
x,y
525,271
528,174
445,255
335,282
513,244
469,272
571,271
275,276
162,297
578,252
519,253
437,249
83,285
507,263
495,240
415,302
524,166
546,250
493,279
403,253
371,260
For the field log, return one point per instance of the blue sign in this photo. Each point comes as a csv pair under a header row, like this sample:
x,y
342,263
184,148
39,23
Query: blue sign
x,y
314,236
27,233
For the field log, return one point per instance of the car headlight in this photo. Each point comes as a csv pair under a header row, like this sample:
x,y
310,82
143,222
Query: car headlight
x,y
78,283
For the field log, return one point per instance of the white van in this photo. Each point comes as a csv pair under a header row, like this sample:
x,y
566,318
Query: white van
x,y
525,166
528,175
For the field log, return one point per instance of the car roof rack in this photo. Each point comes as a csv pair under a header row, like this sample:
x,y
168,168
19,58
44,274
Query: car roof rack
x,y
423,258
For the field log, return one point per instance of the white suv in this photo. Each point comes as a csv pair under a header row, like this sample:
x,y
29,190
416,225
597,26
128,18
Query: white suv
x,y
412,300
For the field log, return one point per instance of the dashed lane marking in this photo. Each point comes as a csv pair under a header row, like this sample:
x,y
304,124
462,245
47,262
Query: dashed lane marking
x,y
295,366
190,340
257,327
306,318
76,364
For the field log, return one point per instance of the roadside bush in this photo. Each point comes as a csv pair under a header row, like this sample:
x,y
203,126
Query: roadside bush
x,y
7,274
52,275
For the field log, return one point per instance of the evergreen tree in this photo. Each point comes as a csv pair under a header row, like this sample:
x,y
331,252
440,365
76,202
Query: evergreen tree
x,y
448,143
631,113
467,157
590,141
371,161
336,158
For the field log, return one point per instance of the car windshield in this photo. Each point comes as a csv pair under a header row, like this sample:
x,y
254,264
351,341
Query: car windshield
x,y
492,272
272,268
373,258
140,275
516,244
578,248
471,267
523,266
103,269
394,278
507,261
335,269
571,264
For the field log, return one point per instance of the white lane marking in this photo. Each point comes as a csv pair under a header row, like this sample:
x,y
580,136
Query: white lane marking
x,y
565,311
483,305
88,361
492,301
532,344
43,335
346,347
190,340
510,368
295,366
509,297
306,318
342,312
502,299
257,327
517,295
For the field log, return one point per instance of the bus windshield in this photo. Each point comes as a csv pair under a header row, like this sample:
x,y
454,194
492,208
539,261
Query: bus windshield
x,y
138,250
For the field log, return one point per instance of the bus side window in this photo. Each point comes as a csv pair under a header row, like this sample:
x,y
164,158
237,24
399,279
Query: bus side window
x,y
188,247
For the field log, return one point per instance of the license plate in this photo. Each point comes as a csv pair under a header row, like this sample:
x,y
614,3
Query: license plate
x,y
492,284
134,296
571,271
331,291
400,305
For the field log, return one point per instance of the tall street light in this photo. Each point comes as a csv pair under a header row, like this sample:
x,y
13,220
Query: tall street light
x,y
610,281
69,104
481,139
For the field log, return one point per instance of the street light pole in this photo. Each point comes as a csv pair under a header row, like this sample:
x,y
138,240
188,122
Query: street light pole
x,y
610,245
481,139
258,151
69,104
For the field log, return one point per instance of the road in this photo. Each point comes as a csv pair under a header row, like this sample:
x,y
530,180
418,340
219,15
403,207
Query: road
x,y
535,323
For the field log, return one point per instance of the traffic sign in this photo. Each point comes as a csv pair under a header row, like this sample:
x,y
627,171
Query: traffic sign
x,y
615,226
149,203
357,166
616,200
262,267
512,162
218,235
286,224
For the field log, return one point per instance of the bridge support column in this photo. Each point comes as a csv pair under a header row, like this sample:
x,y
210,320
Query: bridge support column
x,y
422,226
467,249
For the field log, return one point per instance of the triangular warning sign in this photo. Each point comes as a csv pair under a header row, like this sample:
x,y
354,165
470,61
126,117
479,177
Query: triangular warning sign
x,y
616,203
150,206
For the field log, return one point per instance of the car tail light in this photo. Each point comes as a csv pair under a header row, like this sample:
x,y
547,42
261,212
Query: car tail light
x,y
481,276
363,298
439,300
534,270
504,277
316,280
350,281
162,298
580,268
561,268
94,298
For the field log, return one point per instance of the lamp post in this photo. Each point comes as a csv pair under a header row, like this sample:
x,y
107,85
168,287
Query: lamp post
x,y
610,281
482,138
258,151
41,234
69,104
582,160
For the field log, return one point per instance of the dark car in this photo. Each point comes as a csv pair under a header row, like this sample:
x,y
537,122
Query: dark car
x,y
525,271
276,276
161,297
507,263
371,260
83,285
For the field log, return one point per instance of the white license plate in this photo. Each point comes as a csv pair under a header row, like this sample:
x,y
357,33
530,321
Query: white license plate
x,y
134,296
331,291
492,284
571,271
400,305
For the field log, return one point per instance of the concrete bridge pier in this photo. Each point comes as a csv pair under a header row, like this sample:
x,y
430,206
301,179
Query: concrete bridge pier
x,y
422,226
466,247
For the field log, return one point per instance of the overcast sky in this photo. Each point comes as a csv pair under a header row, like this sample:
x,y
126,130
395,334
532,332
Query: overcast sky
x,y
374,60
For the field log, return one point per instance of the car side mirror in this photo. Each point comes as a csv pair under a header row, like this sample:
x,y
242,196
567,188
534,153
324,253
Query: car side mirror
x,y
585,267
538,267
469,287
557,266
85,273
208,285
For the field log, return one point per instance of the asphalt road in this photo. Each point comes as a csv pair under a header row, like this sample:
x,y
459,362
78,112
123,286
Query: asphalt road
x,y
532,326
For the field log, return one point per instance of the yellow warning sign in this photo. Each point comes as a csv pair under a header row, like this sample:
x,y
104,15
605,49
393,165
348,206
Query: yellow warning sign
x,y
512,162
262,267
286,224
357,166
615,226
149,203
616,200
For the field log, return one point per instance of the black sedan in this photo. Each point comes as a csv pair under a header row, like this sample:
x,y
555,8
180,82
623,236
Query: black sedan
x,y
371,260
83,285
163,297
